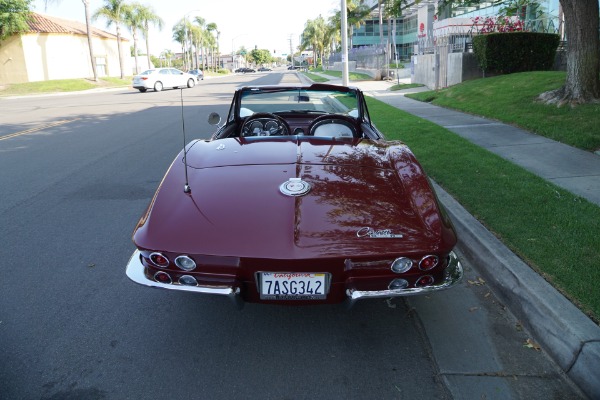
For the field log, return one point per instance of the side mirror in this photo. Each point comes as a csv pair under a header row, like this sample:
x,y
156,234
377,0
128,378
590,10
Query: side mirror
x,y
214,118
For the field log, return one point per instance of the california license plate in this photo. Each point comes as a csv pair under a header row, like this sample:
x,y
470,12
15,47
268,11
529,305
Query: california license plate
x,y
293,286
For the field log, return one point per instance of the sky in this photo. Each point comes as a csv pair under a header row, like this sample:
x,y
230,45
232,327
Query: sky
x,y
266,24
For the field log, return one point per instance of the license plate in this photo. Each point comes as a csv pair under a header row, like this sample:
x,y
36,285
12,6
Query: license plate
x,y
293,286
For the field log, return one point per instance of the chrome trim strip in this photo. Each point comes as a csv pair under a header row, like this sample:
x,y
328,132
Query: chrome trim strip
x,y
135,272
452,275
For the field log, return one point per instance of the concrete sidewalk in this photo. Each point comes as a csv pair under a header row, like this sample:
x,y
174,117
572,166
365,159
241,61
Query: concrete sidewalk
x,y
565,333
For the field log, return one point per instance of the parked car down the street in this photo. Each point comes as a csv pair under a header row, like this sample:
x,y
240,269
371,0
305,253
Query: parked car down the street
x,y
244,70
198,73
163,78
297,199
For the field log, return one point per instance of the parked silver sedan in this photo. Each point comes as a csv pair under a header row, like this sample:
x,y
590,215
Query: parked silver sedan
x,y
160,78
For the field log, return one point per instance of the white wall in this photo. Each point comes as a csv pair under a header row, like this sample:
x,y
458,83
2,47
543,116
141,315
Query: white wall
x,y
63,56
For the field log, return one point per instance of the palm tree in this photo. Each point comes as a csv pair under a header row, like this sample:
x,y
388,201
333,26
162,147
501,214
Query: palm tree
x,y
148,16
88,25
167,54
200,33
313,36
393,11
380,4
113,12
198,42
358,11
212,27
133,20
334,33
180,34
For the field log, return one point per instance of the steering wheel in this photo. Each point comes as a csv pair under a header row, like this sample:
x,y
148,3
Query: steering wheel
x,y
333,126
264,124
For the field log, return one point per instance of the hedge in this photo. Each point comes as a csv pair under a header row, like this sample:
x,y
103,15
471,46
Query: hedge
x,y
510,52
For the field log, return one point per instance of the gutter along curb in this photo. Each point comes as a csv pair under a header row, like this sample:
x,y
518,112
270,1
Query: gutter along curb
x,y
566,334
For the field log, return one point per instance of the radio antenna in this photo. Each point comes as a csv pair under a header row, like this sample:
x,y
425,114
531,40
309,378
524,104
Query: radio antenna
x,y
186,187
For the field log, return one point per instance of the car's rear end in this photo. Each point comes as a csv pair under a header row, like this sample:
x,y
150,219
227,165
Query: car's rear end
x,y
144,80
310,223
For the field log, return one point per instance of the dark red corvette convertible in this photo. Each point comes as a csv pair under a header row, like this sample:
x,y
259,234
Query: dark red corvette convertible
x,y
296,199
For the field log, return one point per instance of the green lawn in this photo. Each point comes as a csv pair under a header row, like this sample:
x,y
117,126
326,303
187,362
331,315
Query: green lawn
x,y
352,76
63,85
315,77
512,99
402,86
549,228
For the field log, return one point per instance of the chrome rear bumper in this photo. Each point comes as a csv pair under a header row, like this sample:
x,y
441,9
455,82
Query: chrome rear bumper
x,y
135,272
452,275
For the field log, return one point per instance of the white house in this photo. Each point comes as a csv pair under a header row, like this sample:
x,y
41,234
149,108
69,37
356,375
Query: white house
x,y
56,48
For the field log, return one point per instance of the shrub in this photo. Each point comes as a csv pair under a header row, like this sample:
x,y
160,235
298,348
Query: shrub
x,y
506,53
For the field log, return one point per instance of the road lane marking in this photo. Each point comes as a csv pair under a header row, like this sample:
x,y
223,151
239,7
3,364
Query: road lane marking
x,y
38,128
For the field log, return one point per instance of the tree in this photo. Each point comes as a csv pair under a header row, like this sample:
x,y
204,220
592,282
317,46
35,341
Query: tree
x,y
148,17
582,84
133,20
380,4
88,26
180,34
392,10
212,27
260,57
14,15
113,12
358,11
333,33
167,55
200,37
313,37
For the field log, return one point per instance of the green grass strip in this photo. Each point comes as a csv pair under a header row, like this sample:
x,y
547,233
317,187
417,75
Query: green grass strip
x,y
315,77
353,76
63,85
402,86
552,230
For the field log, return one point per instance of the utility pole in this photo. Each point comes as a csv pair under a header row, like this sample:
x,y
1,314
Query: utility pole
x,y
344,32
291,52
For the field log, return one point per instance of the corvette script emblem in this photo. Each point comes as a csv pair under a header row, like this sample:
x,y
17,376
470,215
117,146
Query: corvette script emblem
x,y
378,234
294,187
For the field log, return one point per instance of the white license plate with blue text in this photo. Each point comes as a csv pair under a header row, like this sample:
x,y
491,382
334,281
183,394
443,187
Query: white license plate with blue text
x,y
293,286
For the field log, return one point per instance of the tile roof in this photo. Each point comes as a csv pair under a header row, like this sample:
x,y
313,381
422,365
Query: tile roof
x,y
47,24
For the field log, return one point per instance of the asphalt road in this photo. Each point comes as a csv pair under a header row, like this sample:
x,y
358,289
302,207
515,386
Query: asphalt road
x,y
78,170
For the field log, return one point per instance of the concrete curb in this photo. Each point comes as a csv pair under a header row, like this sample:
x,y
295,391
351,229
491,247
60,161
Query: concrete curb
x,y
565,333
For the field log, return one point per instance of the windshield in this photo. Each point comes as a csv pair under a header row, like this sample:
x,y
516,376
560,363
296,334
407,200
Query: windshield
x,y
298,100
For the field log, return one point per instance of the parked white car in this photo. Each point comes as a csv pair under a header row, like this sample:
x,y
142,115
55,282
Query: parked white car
x,y
160,78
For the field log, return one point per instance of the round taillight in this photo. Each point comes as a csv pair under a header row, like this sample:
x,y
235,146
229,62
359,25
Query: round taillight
x,y
428,262
159,260
162,277
185,263
425,280
401,265
398,284
188,280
